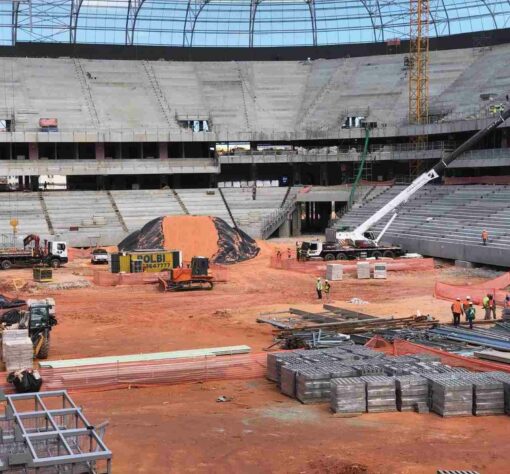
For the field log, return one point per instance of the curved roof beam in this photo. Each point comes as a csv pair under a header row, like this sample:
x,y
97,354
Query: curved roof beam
x,y
193,10
492,14
14,21
374,28
73,20
253,13
313,18
134,7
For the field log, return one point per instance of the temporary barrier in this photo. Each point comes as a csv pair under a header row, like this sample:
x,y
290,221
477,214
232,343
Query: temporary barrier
x,y
162,372
477,291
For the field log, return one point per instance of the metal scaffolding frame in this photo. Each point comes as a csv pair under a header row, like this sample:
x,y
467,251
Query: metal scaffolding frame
x,y
314,21
47,432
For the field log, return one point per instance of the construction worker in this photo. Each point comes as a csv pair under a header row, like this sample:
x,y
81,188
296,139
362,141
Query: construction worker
x,y
465,304
289,253
318,287
486,306
327,289
485,237
470,315
492,306
457,310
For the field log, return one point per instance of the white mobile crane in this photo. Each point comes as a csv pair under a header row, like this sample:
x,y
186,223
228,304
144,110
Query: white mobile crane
x,y
347,244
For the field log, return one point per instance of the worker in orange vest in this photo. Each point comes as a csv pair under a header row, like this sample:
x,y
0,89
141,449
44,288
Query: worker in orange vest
x,y
485,237
457,310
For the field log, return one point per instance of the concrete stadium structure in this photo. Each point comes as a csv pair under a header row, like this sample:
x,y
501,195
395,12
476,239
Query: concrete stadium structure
x,y
138,138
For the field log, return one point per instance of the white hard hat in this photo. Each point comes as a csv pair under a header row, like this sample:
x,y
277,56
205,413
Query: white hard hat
x,y
468,297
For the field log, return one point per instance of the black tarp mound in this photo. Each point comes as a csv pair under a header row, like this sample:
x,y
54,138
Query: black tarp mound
x,y
195,236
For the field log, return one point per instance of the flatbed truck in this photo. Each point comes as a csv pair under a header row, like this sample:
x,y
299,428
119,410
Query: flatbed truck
x,y
52,253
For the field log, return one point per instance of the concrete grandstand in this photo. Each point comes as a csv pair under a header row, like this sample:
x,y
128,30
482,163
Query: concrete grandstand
x,y
269,146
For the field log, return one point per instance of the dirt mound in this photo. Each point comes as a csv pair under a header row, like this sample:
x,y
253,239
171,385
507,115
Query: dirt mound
x,y
195,236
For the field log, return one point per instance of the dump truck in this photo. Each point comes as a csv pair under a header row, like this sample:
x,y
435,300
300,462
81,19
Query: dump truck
x,y
197,276
51,253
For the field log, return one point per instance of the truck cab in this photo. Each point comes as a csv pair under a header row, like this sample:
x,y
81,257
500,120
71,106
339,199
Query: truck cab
x,y
311,249
56,253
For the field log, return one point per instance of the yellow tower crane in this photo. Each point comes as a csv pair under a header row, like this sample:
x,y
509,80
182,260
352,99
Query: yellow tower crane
x,y
419,13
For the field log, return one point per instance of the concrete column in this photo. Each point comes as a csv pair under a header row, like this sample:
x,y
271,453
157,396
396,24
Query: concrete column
x,y
176,181
296,173
323,174
163,150
284,230
99,151
33,151
253,172
76,151
296,220
118,151
213,180
333,210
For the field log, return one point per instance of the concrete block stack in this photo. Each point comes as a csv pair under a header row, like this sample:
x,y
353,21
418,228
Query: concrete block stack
x,y
488,395
504,378
363,270
381,395
412,392
334,271
450,396
313,385
348,396
275,362
17,350
288,374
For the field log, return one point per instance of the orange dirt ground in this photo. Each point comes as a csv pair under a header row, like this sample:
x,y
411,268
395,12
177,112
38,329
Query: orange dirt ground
x,y
182,428
193,235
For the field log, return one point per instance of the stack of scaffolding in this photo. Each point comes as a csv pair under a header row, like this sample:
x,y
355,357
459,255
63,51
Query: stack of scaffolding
x,y
17,350
381,396
412,392
348,396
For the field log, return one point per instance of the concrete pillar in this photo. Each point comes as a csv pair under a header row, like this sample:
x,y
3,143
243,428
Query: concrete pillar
x,y
323,174
253,172
118,151
33,151
163,150
284,230
76,151
213,180
99,151
296,173
296,220
333,210
176,181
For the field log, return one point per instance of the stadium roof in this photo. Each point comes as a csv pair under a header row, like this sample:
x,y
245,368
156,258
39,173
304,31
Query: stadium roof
x,y
237,23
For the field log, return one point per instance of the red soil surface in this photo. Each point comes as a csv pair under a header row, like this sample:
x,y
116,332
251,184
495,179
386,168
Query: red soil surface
x,y
183,429
193,235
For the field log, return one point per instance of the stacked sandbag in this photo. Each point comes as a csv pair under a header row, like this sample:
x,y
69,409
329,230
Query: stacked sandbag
x,y
348,395
450,396
412,392
381,394
17,350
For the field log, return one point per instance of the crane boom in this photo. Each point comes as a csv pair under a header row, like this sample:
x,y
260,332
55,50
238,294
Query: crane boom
x,y
423,179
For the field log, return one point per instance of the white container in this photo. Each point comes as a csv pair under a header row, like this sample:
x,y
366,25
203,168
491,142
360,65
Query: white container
x,y
334,271
380,270
363,270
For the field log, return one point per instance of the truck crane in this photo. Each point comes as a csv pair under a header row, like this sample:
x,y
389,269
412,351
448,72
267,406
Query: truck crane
x,y
349,244
361,234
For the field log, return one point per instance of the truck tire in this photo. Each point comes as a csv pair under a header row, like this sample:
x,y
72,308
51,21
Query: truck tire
x,y
329,256
6,264
389,254
341,256
54,263
44,351
377,254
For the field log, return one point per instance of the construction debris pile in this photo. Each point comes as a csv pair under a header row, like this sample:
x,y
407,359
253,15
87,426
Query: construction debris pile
x,y
203,236
356,379
297,328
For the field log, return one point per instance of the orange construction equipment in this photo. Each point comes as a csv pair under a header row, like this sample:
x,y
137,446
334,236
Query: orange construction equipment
x,y
196,277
